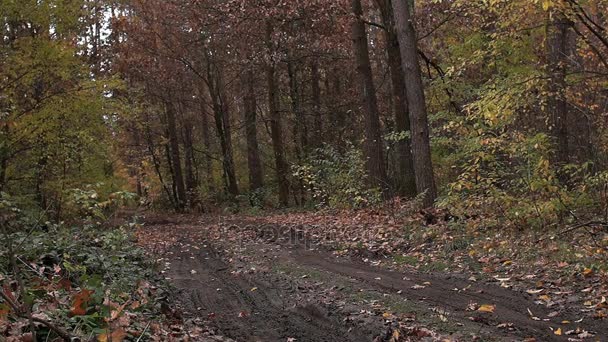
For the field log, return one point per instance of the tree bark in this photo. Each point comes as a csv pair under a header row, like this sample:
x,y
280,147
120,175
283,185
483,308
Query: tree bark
x,y
421,149
557,54
176,165
275,124
300,129
222,125
335,132
373,147
256,176
157,167
189,165
405,178
316,104
206,137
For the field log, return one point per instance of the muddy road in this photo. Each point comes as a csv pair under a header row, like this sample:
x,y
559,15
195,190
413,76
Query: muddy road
x,y
279,289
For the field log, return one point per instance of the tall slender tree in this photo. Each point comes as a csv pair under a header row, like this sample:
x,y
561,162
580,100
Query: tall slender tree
x,y
275,121
557,44
256,176
373,145
421,147
405,179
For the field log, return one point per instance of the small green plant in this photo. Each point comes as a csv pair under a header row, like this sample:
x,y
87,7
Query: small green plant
x,y
75,276
89,204
336,179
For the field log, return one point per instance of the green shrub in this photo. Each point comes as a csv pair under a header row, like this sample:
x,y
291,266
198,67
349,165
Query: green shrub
x,y
336,179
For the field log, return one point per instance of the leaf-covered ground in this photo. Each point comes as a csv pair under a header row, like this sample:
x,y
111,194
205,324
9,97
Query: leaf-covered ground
x,y
370,274
85,282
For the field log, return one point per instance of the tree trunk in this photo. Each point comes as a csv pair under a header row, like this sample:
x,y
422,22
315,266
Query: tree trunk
x,y
406,180
335,132
189,164
222,124
373,147
316,104
157,165
178,179
256,177
557,54
275,124
206,137
421,149
299,129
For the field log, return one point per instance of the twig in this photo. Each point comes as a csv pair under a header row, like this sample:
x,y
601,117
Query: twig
x,y
143,332
59,331
19,312
10,302
577,226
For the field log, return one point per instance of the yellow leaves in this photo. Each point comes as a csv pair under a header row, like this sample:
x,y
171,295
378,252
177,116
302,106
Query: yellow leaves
x,y
588,272
115,336
487,308
387,315
544,298
558,332
547,4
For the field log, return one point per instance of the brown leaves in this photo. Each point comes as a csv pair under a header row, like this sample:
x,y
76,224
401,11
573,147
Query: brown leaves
x,y
81,302
4,310
8,293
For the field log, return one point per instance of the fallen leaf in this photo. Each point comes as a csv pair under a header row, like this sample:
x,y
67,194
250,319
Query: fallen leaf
x,y
545,298
487,308
558,332
587,272
4,310
535,291
81,302
116,336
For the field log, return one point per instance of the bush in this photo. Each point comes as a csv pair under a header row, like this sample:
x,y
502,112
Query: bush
x,y
336,179
85,278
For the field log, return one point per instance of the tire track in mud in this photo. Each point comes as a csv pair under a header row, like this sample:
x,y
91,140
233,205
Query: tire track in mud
x,y
448,292
253,308
269,306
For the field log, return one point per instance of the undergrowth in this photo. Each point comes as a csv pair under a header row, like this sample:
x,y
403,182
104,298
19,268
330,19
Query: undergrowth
x,y
62,281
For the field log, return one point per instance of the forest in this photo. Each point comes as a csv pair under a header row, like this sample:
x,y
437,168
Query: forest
x,y
303,170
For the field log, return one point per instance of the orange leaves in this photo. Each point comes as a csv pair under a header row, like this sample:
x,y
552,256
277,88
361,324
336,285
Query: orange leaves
x,y
487,308
115,336
588,272
4,310
81,302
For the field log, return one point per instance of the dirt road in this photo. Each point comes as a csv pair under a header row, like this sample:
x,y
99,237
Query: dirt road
x,y
278,289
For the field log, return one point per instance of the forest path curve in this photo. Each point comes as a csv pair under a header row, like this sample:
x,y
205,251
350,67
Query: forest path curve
x,y
276,290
